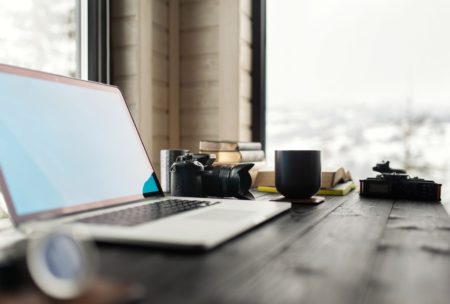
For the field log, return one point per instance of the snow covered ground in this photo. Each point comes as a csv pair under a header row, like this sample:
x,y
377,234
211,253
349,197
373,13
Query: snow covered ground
x,y
357,137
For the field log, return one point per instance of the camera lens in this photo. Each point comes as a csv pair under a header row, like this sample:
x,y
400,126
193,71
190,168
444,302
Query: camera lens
x,y
228,181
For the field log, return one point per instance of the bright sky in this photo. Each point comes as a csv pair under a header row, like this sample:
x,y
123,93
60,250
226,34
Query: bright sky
x,y
358,50
35,34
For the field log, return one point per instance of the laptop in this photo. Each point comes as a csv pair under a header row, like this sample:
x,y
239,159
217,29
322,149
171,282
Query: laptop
x,y
70,153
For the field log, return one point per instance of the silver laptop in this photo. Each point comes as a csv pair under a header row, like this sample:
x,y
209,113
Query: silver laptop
x,y
70,153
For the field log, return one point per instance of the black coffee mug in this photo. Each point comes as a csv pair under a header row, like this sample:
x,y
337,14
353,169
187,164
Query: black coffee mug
x,y
297,173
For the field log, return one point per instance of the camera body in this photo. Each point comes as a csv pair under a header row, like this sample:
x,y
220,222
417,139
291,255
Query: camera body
x,y
196,175
396,184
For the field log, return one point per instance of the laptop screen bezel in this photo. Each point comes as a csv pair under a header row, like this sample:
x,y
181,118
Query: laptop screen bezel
x,y
82,207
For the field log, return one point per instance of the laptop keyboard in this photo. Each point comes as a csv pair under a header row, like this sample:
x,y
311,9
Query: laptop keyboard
x,y
146,213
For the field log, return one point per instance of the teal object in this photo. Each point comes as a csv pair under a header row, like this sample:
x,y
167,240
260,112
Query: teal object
x,y
150,186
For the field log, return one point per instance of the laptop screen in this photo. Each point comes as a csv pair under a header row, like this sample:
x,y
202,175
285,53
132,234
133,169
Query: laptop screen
x,y
68,145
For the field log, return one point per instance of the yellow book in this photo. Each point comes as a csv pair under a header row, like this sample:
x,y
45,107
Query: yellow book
x,y
338,190
329,178
237,156
332,178
267,189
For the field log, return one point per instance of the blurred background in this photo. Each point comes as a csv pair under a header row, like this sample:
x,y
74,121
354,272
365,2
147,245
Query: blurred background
x,y
41,35
363,81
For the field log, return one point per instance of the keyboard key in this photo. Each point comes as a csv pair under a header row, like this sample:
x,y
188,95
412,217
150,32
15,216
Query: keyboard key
x,y
146,213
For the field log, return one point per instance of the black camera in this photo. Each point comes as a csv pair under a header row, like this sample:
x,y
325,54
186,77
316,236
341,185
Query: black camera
x,y
396,184
196,175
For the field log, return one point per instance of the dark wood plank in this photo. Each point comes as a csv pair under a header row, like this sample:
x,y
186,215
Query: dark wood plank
x,y
343,251
328,264
173,276
413,265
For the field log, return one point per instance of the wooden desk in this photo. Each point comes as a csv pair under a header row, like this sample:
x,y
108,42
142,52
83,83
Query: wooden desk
x,y
346,250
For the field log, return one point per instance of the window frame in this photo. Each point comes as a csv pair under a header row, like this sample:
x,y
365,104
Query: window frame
x,y
98,41
259,72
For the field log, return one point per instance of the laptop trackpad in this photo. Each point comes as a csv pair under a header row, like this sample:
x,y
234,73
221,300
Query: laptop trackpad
x,y
223,215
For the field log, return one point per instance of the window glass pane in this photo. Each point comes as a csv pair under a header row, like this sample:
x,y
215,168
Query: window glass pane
x,y
363,81
39,34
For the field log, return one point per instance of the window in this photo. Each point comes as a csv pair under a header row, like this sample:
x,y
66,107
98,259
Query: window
x,y
363,81
42,35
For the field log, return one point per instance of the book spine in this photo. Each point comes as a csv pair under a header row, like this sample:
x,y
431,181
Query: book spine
x,y
230,146
217,146
267,189
252,156
249,146
331,192
237,156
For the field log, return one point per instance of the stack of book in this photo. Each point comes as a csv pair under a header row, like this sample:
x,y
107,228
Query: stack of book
x,y
337,182
232,152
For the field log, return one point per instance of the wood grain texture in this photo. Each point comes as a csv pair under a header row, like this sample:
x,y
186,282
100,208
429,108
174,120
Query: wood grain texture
x,y
145,74
245,72
140,65
245,113
174,74
160,42
228,119
199,68
160,142
246,8
245,84
125,52
346,250
125,61
124,8
245,131
191,126
124,31
160,13
245,60
129,88
203,95
246,29
335,253
202,68
413,261
190,142
160,69
160,123
161,58
198,14
177,55
160,95
215,66
200,41
221,270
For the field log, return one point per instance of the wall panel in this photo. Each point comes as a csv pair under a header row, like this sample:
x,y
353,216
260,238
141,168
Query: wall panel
x,y
184,67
